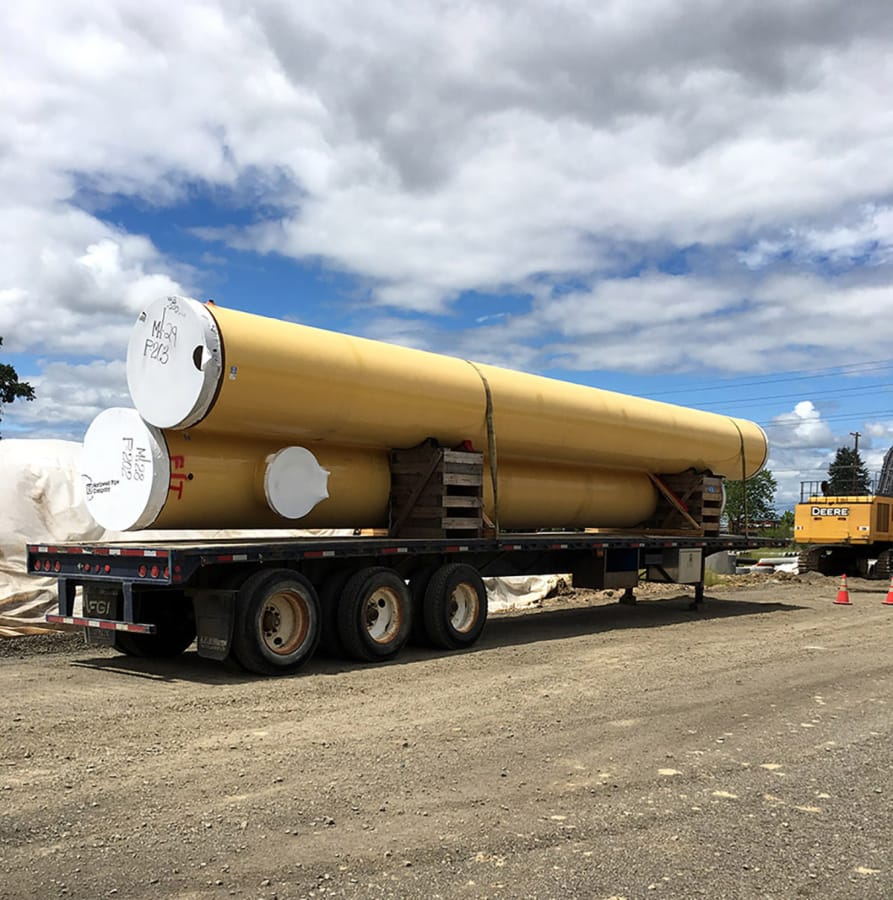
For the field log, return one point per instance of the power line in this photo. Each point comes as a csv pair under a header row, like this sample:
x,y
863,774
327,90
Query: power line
x,y
867,390
781,377
835,417
841,418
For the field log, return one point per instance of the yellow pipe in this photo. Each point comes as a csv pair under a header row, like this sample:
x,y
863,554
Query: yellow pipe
x,y
139,476
536,495
207,368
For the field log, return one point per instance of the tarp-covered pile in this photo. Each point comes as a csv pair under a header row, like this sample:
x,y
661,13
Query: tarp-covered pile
x,y
40,500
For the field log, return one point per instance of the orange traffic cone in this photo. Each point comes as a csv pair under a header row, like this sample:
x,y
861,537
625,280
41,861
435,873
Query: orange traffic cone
x,y
843,595
889,600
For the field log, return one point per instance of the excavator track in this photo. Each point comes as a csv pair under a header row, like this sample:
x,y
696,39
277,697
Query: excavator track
x,y
808,561
884,566
836,560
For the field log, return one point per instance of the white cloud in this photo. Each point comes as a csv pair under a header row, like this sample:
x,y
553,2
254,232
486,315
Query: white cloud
x,y
803,427
803,444
679,323
550,152
448,148
68,397
73,283
866,236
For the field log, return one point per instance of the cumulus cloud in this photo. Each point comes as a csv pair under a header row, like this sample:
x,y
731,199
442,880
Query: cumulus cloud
x,y
72,283
804,442
655,322
801,427
68,397
866,237
666,186
451,148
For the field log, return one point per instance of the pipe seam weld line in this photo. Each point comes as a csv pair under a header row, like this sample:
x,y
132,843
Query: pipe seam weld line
x,y
743,476
491,443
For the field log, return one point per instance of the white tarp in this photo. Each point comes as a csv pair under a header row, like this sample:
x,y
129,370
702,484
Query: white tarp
x,y
521,591
40,500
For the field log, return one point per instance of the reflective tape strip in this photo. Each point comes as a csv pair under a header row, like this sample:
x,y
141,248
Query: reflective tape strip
x,y
105,624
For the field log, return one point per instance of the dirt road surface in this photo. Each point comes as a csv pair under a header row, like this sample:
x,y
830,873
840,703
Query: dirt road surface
x,y
582,750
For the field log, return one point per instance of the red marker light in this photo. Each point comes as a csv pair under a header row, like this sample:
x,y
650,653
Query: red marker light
x,y
154,571
141,571
57,566
106,568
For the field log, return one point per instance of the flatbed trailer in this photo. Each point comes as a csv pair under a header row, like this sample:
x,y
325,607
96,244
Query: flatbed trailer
x,y
266,603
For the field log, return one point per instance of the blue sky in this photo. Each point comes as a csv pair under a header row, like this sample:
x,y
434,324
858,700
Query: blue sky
x,y
690,201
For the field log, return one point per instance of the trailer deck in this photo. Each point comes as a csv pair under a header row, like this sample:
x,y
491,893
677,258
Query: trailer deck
x,y
157,596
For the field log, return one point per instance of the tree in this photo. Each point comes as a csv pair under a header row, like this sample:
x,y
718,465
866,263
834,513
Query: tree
x,y
847,474
10,386
750,501
784,530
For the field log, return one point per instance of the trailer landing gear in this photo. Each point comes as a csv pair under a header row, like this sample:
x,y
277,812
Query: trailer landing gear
x,y
698,600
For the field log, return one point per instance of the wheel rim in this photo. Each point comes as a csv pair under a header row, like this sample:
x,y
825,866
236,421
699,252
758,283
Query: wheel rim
x,y
382,615
464,607
285,622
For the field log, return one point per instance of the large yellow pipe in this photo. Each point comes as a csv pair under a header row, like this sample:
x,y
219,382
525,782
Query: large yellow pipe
x,y
137,476
538,495
206,368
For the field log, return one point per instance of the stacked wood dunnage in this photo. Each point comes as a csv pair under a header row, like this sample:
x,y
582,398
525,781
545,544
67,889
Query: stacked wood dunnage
x,y
251,422
688,501
436,492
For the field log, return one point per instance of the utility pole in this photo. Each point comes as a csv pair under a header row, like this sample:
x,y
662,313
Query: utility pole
x,y
856,435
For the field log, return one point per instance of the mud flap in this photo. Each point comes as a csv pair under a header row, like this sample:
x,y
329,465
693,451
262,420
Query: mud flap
x,y
214,621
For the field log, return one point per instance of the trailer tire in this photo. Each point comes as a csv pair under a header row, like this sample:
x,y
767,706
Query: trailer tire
x,y
330,592
418,585
172,616
277,623
455,607
374,614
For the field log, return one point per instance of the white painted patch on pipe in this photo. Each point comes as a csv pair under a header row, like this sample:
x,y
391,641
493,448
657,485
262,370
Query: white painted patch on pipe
x,y
295,482
174,362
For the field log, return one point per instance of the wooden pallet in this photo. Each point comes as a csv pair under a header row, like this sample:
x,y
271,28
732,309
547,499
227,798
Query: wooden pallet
x,y
436,492
687,503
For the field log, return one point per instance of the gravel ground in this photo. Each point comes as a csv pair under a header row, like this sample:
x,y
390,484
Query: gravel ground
x,y
584,749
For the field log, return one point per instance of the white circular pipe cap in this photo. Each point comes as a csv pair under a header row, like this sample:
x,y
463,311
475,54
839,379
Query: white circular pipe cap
x,y
125,470
294,482
174,361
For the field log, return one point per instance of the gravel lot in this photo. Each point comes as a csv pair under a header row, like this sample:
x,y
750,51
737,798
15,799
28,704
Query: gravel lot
x,y
584,749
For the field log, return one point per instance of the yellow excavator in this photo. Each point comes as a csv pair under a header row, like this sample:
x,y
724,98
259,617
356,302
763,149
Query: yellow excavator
x,y
849,534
